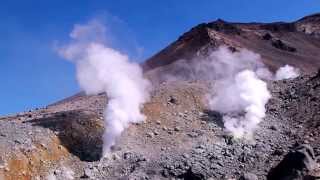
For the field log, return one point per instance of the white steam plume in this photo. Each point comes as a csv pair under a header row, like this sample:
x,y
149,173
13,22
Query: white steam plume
x,y
103,69
216,65
286,72
242,99
238,91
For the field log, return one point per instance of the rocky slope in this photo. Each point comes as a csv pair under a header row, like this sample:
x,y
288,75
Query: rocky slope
x,y
181,138
295,43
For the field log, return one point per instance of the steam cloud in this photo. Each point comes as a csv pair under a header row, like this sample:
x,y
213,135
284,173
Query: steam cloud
x,y
103,69
242,99
239,93
286,72
239,90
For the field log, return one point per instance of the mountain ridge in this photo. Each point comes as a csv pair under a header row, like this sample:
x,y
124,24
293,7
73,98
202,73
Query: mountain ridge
x,y
278,43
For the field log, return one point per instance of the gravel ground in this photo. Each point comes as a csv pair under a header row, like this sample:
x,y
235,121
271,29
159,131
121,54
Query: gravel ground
x,y
179,140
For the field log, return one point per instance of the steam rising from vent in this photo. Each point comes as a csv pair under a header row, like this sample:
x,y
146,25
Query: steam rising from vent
x,y
286,72
242,99
239,91
103,69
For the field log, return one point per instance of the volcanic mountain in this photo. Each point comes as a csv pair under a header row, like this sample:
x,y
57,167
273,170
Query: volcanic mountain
x,y
181,138
294,43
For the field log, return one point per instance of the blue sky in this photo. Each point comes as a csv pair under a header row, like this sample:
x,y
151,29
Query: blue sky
x,y
33,75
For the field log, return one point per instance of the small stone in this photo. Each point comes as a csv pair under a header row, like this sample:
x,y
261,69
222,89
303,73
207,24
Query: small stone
x,y
176,128
150,135
193,134
249,176
18,141
185,155
115,157
278,152
44,146
273,127
172,100
198,151
158,122
56,172
88,173
155,132
127,155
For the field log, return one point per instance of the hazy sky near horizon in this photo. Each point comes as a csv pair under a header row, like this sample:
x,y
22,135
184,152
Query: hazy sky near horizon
x,y
33,75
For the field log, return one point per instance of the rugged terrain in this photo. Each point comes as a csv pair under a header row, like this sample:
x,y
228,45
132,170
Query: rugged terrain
x,y
294,43
181,138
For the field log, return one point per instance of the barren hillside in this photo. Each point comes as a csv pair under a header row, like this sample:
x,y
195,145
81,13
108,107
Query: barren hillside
x,y
181,138
294,43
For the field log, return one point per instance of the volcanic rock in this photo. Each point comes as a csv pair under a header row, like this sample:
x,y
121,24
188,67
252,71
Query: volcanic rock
x,y
69,133
297,164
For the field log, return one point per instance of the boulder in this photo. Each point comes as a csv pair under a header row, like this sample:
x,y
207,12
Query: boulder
x,y
296,165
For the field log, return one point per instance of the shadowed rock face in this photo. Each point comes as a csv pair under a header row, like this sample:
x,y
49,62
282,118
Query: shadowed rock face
x,y
79,131
294,43
297,164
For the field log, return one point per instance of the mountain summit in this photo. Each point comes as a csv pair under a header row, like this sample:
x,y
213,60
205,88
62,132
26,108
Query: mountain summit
x,y
294,43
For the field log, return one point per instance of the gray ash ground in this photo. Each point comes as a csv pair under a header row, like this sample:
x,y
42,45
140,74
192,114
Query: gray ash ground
x,y
179,140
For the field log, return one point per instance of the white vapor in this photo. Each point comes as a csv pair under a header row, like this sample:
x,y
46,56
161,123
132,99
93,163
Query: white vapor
x,y
238,89
242,100
286,72
103,69
239,92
